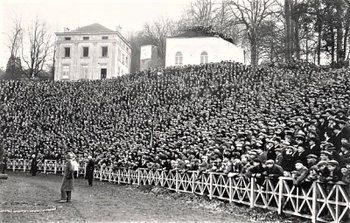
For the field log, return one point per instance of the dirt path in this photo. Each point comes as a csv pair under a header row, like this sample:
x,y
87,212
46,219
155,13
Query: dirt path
x,y
104,202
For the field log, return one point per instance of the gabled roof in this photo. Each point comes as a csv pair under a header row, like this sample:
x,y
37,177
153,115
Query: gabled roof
x,y
192,33
199,33
93,28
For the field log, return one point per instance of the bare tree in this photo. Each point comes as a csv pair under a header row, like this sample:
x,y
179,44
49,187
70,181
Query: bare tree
x,y
36,51
157,31
252,13
15,36
13,68
209,13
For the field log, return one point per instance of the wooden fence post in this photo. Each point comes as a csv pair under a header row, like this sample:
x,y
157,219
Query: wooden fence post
x,y
210,185
44,166
109,174
24,165
280,196
193,182
230,189
252,192
314,202
85,164
138,177
55,168
176,181
101,171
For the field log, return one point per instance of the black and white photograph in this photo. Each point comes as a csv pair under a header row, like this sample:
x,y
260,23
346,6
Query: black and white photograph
x,y
176,111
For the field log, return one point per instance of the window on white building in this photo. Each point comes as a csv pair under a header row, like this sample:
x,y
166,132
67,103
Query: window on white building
x,y
67,38
178,59
204,57
67,52
65,72
104,51
85,51
84,71
85,38
104,37
119,55
126,60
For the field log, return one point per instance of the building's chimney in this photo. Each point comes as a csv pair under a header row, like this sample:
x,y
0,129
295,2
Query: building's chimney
x,y
118,29
66,29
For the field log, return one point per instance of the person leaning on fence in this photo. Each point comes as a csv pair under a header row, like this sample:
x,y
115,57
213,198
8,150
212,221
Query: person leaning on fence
x,y
334,172
256,170
300,173
90,167
67,181
272,170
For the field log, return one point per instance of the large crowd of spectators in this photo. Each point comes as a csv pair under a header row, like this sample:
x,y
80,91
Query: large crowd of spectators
x,y
224,117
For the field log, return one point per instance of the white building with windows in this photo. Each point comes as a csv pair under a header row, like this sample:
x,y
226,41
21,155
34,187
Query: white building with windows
x,y
195,47
91,52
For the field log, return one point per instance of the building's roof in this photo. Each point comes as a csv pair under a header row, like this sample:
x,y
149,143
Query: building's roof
x,y
93,28
191,33
200,33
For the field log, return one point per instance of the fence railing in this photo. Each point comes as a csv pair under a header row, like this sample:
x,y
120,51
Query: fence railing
x,y
313,200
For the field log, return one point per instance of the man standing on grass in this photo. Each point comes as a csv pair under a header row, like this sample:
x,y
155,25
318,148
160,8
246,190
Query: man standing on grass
x,y
90,170
68,181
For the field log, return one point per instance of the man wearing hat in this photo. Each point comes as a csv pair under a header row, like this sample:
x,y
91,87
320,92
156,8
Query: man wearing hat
x,y
67,181
300,173
273,171
344,156
34,165
334,171
311,160
90,167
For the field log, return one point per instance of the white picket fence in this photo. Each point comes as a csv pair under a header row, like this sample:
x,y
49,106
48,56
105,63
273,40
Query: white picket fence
x,y
316,201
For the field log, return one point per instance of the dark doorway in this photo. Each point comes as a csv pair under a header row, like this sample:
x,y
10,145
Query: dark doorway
x,y
103,73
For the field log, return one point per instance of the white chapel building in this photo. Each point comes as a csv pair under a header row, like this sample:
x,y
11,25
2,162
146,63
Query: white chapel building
x,y
91,52
195,47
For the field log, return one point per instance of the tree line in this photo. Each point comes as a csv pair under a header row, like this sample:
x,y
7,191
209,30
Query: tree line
x,y
316,31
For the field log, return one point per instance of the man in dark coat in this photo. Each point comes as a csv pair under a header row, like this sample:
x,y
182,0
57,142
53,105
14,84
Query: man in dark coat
x,y
67,181
273,171
34,165
90,170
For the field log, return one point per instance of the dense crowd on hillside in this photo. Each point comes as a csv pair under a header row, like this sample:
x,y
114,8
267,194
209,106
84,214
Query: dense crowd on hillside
x,y
222,117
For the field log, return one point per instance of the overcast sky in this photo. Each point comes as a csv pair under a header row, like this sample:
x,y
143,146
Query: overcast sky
x,y
129,14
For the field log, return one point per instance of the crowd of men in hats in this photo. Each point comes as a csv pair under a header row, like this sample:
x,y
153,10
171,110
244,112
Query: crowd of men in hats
x,y
222,117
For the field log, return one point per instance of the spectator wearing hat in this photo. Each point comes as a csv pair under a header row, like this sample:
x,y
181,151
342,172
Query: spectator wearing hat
x,y
311,160
272,170
300,173
314,148
334,172
345,171
256,170
90,167
312,174
323,170
344,156
325,155
288,161
301,154
68,180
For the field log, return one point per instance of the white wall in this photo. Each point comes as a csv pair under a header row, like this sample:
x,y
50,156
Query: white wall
x,y
217,48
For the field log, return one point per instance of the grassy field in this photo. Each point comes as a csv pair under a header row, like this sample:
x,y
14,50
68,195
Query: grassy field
x,y
104,202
